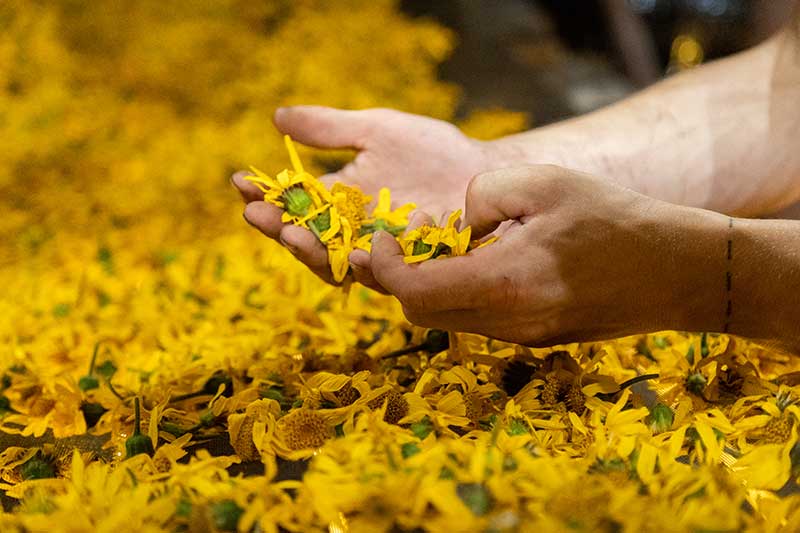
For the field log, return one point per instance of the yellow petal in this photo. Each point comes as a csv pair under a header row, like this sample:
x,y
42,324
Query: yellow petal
x,y
646,462
418,258
298,166
339,263
709,439
453,218
765,467
384,201
577,423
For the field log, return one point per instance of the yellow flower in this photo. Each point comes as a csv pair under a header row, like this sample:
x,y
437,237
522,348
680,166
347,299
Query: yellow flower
x,y
430,242
296,191
768,466
383,218
338,252
222,340
303,429
350,203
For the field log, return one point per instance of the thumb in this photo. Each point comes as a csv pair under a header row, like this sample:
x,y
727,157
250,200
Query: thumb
x,y
323,127
387,260
508,194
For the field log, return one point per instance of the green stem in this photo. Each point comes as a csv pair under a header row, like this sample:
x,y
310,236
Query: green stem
x,y
114,391
136,417
608,396
94,357
406,351
132,476
633,381
189,395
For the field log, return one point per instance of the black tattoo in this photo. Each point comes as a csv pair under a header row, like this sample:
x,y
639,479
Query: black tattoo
x,y
729,278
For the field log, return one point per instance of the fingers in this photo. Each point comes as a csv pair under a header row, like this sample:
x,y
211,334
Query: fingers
x,y
386,261
493,197
463,282
361,262
509,194
248,190
324,127
362,270
418,219
305,246
299,241
265,217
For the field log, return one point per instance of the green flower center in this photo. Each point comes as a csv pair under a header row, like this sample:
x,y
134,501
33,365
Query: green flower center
x,y
296,201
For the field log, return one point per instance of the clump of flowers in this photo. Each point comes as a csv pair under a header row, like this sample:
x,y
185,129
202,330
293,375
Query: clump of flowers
x,y
430,242
338,216
339,219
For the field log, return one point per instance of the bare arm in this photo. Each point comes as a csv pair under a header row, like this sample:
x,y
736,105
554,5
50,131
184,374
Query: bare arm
x,y
725,136
765,288
585,259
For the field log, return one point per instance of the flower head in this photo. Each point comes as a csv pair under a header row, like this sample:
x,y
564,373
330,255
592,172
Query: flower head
x,y
430,242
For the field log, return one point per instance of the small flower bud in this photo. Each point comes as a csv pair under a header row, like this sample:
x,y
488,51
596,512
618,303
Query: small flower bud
x,y
661,418
696,383
226,515
138,442
296,201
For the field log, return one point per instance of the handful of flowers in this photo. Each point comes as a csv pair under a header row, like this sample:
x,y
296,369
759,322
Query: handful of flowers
x,y
339,218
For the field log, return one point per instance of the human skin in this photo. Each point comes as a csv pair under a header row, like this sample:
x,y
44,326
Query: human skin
x,y
723,136
586,259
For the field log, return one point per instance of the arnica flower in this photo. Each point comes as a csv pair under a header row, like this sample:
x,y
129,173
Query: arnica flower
x,y
337,390
337,217
383,218
303,429
296,191
350,203
220,339
241,428
430,242
395,404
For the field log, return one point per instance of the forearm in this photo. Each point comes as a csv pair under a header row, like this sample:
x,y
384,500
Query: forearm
x,y
727,274
724,137
765,281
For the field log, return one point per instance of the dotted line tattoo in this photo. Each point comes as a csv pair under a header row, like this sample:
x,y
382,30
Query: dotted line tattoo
x,y
728,278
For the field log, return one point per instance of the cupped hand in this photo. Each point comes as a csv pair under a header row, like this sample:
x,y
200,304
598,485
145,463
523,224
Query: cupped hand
x,y
421,160
583,259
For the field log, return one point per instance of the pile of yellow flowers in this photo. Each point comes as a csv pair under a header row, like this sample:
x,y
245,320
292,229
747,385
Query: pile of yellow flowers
x,y
164,369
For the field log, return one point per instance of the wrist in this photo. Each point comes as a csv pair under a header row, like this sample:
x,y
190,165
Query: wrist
x,y
765,281
691,268
722,274
571,144
524,149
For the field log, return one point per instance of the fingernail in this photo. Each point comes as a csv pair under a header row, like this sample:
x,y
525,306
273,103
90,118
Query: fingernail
x,y
359,258
380,237
293,249
238,180
244,216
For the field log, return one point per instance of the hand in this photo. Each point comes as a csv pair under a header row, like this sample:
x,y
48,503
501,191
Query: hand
x,y
421,160
583,259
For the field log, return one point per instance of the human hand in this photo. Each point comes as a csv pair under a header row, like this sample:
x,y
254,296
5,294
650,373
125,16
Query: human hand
x,y
421,160
583,259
